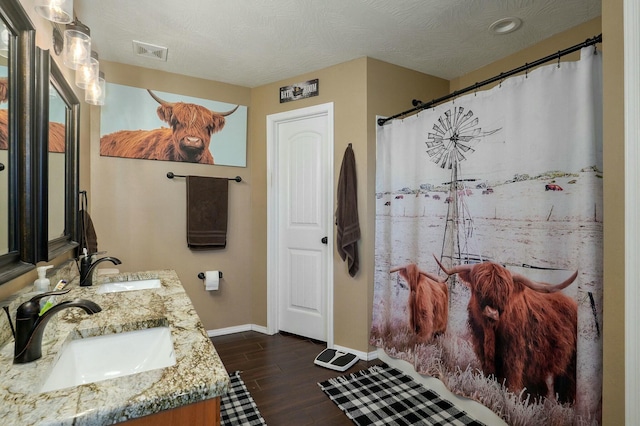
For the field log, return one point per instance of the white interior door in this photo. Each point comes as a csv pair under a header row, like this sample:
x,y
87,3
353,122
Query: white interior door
x,y
301,201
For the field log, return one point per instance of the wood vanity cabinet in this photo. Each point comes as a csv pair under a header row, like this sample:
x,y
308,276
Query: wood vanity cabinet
x,y
196,414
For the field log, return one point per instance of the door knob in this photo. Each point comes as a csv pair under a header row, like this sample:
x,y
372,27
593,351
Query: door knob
x,y
324,240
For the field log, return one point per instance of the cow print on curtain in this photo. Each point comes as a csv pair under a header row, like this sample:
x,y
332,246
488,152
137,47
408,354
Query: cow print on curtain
x,y
488,271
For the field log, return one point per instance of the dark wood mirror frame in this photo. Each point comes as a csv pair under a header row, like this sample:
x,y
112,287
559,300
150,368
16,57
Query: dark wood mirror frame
x,y
22,144
31,73
50,73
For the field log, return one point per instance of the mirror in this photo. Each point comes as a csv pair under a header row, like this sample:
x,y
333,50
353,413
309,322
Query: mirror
x,y
38,182
60,113
56,158
17,225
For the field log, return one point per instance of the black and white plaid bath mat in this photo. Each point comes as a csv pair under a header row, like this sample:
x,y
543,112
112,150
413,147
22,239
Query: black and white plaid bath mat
x,y
237,406
383,395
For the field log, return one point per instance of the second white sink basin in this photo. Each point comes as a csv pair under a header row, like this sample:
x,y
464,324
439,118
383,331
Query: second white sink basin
x,y
117,287
114,355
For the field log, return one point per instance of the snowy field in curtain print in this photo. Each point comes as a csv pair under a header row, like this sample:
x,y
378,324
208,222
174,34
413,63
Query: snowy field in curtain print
x,y
519,223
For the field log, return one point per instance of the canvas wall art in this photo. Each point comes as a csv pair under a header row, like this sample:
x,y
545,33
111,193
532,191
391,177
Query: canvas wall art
x,y
57,112
152,125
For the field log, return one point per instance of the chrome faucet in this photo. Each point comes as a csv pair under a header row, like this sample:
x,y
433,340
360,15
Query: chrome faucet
x,y
30,325
87,267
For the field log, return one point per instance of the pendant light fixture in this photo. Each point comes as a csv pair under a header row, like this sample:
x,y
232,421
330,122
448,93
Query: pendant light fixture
x,y
77,44
95,93
60,11
87,71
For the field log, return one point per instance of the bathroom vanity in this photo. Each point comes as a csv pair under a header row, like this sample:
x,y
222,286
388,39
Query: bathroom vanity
x,y
186,392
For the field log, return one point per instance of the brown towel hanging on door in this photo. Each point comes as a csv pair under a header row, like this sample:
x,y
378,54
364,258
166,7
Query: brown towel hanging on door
x,y
348,232
207,205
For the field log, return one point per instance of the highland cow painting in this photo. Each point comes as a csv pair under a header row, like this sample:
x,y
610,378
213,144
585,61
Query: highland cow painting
x,y
152,125
57,113
494,203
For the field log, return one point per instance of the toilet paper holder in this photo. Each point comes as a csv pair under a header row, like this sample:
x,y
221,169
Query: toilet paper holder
x,y
202,276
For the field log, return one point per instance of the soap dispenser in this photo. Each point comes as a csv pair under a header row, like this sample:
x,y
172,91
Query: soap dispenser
x,y
41,285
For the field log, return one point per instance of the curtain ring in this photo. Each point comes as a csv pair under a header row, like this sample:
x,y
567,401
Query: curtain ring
x,y
526,70
559,59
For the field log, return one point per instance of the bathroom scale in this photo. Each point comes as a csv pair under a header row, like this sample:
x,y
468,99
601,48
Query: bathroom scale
x,y
335,359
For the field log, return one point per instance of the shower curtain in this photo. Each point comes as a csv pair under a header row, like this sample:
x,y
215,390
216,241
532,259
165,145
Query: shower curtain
x,y
488,253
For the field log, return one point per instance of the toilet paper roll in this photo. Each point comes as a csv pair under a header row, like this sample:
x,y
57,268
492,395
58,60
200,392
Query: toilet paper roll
x,y
211,280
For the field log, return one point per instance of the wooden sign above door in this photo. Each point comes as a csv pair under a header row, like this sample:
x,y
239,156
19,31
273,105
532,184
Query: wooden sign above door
x,y
297,91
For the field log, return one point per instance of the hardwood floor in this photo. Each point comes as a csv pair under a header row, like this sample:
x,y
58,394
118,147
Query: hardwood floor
x,y
282,378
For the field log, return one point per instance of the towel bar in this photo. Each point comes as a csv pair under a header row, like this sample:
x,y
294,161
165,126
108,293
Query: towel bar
x,y
202,276
171,175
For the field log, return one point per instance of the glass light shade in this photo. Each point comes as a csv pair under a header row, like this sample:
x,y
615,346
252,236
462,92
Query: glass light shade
x,y
95,93
77,45
87,71
60,11
4,41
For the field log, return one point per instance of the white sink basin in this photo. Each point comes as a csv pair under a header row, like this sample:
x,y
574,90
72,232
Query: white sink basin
x,y
117,287
114,355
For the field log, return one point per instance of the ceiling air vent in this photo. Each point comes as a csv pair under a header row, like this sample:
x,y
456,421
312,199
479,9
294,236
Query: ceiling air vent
x,y
148,50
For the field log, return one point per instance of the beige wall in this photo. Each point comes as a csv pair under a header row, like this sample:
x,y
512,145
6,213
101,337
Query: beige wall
x,y
140,215
359,89
345,86
614,218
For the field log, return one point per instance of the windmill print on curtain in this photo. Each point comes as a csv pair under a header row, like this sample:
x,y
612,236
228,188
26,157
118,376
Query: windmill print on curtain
x,y
489,244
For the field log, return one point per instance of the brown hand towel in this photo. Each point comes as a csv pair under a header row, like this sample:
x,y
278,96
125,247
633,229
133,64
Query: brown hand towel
x,y
207,204
88,237
348,232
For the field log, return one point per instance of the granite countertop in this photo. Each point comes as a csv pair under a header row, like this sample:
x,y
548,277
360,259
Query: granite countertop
x,y
197,375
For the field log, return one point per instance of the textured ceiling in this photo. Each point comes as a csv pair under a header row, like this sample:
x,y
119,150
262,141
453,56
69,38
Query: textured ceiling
x,y
255,42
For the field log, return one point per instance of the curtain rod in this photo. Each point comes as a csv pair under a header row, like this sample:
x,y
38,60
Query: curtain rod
x,y
419,106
